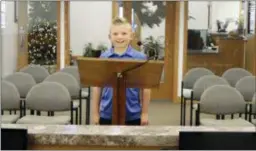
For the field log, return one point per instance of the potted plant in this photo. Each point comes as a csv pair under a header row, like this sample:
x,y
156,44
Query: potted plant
x,y
90,51
153,47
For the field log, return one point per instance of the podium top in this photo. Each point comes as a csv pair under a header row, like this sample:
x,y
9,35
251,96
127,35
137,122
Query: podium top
x,y
102,72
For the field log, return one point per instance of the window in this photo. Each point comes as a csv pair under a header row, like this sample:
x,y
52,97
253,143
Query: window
x,y
3,14
251,17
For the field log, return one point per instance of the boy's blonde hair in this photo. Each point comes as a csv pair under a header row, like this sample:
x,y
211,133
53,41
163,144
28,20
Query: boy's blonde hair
x,y
119,21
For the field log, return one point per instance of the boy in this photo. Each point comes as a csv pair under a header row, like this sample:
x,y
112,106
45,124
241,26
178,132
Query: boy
x,y
137,100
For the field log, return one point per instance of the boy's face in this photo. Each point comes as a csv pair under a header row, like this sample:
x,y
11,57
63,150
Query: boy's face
x,y
121,35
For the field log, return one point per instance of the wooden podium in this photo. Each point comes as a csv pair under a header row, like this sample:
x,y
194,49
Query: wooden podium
x,y
119,74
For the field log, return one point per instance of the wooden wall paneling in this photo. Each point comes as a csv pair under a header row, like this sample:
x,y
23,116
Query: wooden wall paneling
x,y
127,8
67,32
58,33
22,46
115,9
185,48
168,89
231,54
250,54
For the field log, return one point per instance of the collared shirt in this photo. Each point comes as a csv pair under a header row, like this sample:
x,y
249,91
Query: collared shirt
x,y
133,104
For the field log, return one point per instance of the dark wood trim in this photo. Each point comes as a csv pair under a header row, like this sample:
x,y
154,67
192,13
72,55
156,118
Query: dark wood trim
x,y
58,34
67,32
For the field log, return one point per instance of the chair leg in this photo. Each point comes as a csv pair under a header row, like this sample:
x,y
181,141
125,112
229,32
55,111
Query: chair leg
x,y
181,111
80,108
184,111
88,111
77,116
191,109
197,123
191,112
38,113
32,112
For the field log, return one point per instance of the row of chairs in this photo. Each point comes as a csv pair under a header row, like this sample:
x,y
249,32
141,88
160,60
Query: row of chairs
x,y
45,96
197,80
224,100
33,75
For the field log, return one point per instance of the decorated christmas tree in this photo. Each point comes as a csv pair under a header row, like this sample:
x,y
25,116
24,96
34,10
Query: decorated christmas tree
x,y
42,33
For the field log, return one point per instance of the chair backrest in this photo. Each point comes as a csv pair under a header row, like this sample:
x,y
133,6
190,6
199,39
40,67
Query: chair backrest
x,y
193,74
10,97
38,72
205,82
67,80
222,99
23,81
247,87
233,75
73,70
48,96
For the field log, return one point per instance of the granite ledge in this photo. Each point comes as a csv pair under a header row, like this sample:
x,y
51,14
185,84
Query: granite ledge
x,y
131,136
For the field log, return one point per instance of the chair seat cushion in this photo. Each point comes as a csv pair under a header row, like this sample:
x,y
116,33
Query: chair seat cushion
x,y
187,93
31,119
226,122
7,119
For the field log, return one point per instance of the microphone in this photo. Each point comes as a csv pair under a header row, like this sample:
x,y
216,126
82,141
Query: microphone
x,y
139,43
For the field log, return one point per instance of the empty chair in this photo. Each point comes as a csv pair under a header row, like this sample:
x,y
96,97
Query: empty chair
x,y
84,92
10,100
253,110
221,100
38,72
200,86
23,81
71,84
48,96
233,75
246,86
186,87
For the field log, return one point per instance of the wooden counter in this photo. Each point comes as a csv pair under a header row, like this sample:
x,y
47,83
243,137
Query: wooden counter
x,y
231,54
75,137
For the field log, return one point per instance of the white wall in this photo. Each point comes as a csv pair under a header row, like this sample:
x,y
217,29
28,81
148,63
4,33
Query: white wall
x,y
225,9
9,42
220,10
89,22
198,10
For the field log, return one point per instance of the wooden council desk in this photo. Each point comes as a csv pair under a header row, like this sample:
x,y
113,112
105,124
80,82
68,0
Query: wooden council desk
x,y
79,137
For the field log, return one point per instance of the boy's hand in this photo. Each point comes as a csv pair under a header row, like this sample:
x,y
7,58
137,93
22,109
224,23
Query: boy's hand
x,y
144,119
96,119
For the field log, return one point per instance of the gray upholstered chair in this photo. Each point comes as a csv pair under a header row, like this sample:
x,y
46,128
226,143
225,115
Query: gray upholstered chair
x,y
252,109
48,96
85,93
247,87
221,100
186,88
38,72
10,100
72,86
200,86
233,75
23,81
